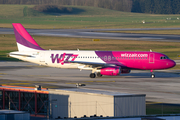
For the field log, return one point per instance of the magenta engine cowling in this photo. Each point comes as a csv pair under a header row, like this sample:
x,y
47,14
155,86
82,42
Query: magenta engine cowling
x,y
111,71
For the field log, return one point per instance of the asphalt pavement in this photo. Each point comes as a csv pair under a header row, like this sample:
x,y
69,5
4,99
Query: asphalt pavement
x,y
162,89
92,33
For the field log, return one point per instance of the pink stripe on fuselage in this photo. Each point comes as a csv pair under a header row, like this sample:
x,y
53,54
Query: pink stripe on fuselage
x,y
22,31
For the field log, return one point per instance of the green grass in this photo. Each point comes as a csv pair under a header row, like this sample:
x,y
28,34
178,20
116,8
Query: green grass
x,y
85,17
8,44
4,56
162,109
82,17
164,32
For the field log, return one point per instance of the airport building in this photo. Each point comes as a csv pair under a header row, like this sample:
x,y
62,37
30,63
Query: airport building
x,y
87,102
72,102
28,99
14,115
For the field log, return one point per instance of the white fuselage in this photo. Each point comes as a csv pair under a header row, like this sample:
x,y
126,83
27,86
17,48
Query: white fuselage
x,y
59,58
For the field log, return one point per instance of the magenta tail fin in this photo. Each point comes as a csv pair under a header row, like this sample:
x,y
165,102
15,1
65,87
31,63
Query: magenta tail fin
x,y
24,40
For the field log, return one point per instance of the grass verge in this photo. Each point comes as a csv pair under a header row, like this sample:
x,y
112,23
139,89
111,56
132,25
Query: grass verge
x,y
162,108
8,44
82,17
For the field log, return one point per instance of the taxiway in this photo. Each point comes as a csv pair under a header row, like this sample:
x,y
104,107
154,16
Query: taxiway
x,y
92,33
164,88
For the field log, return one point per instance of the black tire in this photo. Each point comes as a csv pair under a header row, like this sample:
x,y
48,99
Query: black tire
x,y
92,75
99,74
152,76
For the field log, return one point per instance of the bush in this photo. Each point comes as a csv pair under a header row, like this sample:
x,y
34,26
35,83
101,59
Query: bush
x,y
52,9
25,11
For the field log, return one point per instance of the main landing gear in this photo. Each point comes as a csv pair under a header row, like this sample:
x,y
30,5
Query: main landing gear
x,y
93,75
99,74
152,74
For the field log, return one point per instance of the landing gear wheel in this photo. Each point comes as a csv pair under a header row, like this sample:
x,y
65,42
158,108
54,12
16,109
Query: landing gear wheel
x,y
152,76
99,74
92,75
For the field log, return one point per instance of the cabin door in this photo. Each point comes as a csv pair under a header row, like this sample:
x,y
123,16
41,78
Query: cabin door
x,y
151,58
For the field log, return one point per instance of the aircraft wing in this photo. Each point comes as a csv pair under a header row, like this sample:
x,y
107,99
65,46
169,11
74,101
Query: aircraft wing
x,y
92,64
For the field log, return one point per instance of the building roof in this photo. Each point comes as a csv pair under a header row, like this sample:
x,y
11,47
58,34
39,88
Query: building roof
x,y
78,90
24,89
11,112
95,91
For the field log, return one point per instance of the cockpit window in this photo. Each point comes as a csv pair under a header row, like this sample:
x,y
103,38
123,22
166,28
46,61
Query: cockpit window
x,y
164,57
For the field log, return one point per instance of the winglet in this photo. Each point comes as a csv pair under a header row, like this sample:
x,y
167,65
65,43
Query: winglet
x,y
24,40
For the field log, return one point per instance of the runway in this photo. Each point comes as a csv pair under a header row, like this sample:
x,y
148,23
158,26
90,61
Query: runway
x,y
164,88
92,33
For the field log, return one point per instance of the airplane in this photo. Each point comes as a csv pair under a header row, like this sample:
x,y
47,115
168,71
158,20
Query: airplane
x,y
110,63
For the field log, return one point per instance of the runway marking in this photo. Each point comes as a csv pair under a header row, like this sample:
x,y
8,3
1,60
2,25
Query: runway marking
x,y
17,84
41,82
100,81
40,66
26,81
75,83
3,73
38,75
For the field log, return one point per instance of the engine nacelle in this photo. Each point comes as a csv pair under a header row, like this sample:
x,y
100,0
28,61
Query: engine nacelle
x,y
125,71
111,71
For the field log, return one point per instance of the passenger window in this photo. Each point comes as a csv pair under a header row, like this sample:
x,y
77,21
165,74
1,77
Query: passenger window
x,y
164,57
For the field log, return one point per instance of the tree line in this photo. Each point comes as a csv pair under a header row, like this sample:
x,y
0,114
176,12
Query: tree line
x,y
140,6
52,9
121,5
156,6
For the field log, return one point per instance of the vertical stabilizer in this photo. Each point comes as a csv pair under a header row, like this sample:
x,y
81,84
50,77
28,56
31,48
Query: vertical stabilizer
x,y
24,40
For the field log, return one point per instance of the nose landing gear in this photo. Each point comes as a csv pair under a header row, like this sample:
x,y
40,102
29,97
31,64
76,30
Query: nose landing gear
x,y
152,74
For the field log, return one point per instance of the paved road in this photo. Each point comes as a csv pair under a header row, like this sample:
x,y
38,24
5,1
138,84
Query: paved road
x,y
164,88
91,33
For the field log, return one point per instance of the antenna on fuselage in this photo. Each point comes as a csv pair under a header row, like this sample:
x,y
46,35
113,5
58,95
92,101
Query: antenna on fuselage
x,y
150,50
77,49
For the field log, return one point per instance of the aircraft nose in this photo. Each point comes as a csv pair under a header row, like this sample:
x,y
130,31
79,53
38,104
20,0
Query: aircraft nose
x,y
171,63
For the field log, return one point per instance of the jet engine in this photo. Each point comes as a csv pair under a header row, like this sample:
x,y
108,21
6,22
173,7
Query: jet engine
x,y
111,71
125,71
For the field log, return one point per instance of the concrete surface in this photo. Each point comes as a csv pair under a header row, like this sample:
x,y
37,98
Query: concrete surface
x,y
92,33
164,88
